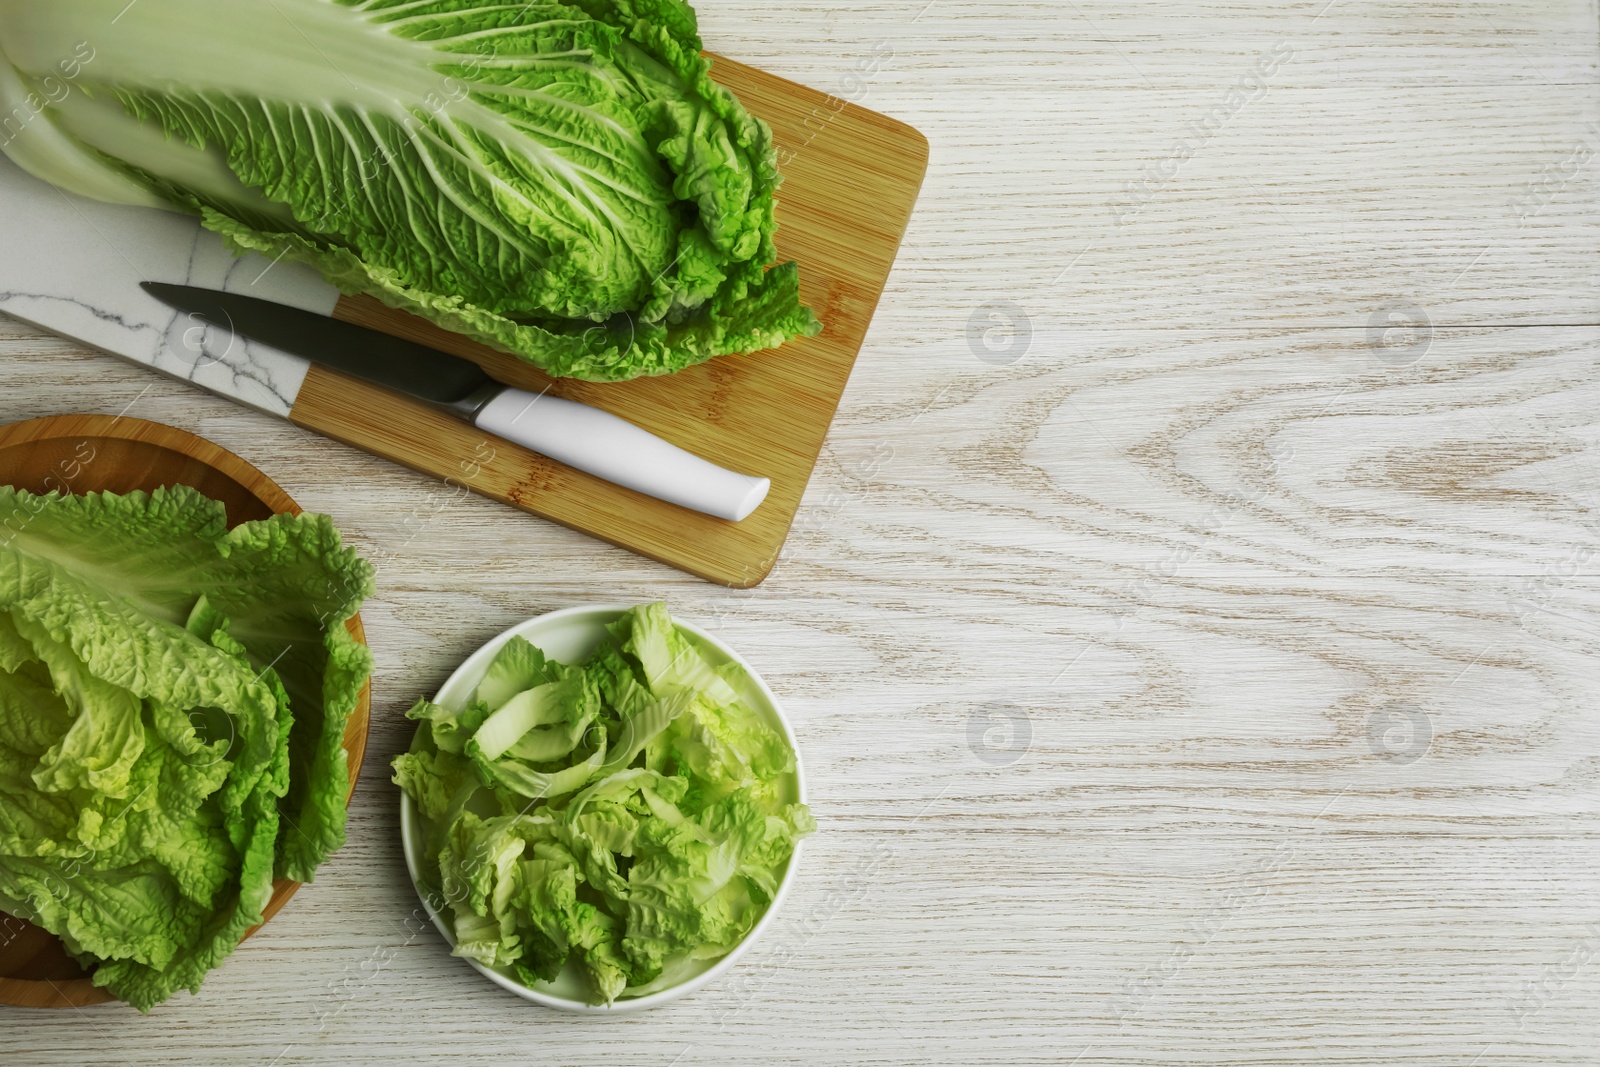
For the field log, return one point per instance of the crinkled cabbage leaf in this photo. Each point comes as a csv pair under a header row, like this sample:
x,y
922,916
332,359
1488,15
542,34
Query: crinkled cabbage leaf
x,y
620,817
563,181
173,701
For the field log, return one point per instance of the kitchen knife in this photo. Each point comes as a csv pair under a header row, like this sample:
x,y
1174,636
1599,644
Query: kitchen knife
x,y
578,435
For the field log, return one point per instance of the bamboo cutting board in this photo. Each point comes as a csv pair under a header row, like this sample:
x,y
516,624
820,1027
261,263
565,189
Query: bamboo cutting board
x,y
851,177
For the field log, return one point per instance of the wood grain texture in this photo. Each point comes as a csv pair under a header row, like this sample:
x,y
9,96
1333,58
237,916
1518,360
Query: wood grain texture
x,y
851,177
104,453
1108,664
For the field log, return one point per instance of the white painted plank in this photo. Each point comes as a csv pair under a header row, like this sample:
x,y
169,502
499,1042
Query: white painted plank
x,y
1109,662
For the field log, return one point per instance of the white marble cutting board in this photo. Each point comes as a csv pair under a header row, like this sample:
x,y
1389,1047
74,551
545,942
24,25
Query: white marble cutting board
x,y
73,266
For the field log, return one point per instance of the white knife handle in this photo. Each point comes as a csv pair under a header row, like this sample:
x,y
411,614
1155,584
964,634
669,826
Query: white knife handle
x,y
615,449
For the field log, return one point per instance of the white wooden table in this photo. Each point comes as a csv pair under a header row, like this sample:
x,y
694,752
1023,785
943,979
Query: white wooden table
x,y
1192,629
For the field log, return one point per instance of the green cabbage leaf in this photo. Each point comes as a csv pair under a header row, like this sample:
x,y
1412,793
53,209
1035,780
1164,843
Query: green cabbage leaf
x,y
656,839
563,181
173,701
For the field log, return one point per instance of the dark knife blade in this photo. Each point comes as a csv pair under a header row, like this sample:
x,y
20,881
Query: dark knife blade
x,y
406,367
583,437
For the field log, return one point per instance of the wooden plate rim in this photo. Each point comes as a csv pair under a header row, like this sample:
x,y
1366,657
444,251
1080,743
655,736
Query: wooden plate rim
x,y
82,992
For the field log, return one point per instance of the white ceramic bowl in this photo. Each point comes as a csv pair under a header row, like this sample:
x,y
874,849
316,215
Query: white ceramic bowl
x,y
570,635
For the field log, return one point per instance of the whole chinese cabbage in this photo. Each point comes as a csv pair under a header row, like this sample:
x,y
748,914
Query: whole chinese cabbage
x,y
561,180
173,700
626,817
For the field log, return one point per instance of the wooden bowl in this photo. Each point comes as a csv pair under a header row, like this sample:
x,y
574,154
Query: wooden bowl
x,y
89,453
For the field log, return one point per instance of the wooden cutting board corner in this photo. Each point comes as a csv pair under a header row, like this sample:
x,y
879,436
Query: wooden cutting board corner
x,y
851,178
